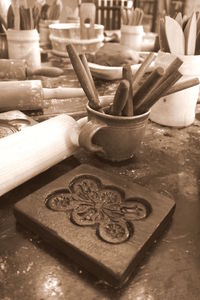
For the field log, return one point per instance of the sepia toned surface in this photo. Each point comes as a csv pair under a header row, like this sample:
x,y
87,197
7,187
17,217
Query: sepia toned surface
x,y
168,163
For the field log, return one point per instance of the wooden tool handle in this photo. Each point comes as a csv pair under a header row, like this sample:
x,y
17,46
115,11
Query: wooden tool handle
x,y
45,71
62,93
141,71
148,85
120,97
128,108
29,152
182,86
158,92
83,77
87,69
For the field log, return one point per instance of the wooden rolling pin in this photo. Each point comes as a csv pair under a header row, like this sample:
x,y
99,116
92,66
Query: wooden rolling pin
x,y
18,70
30,95
33,150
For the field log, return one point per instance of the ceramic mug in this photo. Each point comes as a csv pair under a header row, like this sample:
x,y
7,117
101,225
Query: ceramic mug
x,y
115,138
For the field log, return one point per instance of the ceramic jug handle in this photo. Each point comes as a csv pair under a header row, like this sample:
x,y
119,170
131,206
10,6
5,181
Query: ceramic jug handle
x,y
87,133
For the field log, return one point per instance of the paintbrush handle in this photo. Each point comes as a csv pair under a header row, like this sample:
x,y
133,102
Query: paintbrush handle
x,y
83,77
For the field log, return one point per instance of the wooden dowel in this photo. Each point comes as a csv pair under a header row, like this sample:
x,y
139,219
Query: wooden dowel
x,y
85,64
173,67
158,92
148,85
83,77
127,74
182,86
120,97
141,71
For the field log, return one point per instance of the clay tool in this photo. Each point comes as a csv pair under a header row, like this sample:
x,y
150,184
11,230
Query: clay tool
x,y
10,17
86,66
128,108
175,36
182,85
157,93
148,85
15,6
35,149
17,69
197,48
120,97
179,19
141,71
162,37
190,33
83,77
30,95
87,20
165,74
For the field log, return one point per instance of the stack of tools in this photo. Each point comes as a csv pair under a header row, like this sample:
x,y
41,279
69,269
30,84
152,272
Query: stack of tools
x,y
132,16
180,36
136,94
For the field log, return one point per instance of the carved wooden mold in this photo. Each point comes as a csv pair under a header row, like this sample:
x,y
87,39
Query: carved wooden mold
x,y
89,203
103,222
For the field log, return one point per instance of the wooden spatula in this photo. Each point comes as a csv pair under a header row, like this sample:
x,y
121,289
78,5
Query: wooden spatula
x,y
87,20
179,18
175,36
162,37
190,33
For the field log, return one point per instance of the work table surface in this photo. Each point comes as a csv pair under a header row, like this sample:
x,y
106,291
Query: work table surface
x,y
168,163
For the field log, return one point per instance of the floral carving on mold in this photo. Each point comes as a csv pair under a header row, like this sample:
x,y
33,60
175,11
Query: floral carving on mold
x,y
90,203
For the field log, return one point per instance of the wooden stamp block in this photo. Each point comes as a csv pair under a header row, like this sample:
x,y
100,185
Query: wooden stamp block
x,y
101,221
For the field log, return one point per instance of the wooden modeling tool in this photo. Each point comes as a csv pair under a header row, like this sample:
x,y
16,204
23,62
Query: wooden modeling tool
x,y
30,95
17,69
141,71
162,37
15,7
86,66
157,93
175,36
83,77
128,108
87,20
190,33
179,19
106,237
120,98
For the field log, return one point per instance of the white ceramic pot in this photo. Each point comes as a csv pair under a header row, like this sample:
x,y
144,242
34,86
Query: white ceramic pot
x,y
24,44
178,109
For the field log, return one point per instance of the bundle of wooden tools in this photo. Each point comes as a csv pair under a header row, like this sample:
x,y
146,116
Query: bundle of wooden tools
x,y
132,16
180,36
135,94
25,14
